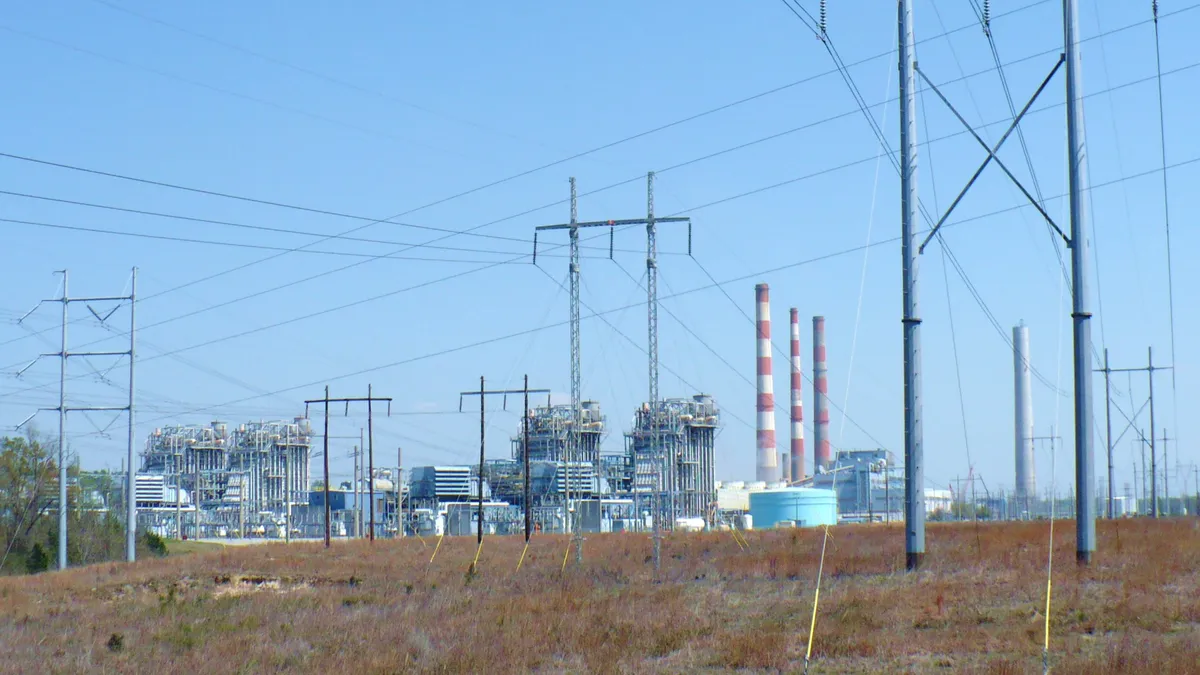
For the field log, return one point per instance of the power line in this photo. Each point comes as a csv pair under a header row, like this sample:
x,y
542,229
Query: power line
x,y
470,230
1162,131
258,247
281,230
855,249
494,183
306,71
502,338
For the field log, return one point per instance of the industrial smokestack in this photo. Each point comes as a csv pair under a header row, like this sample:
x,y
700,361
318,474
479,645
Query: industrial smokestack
x,y
1026,487
785,467
767,468
796,466
821,456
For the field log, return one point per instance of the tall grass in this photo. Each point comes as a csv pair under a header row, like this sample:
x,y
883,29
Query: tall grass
x,y
976,607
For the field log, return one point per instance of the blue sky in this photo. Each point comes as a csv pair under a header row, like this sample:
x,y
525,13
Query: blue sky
x,y
393,106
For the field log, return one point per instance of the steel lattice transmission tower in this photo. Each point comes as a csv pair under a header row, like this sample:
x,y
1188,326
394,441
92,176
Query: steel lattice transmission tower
x,y
576,418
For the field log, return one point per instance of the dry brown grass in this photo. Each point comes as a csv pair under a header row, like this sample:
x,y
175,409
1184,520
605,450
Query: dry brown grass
x,y
976,608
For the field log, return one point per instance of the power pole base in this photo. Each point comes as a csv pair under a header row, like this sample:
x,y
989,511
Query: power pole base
x,y
913,561
1083,558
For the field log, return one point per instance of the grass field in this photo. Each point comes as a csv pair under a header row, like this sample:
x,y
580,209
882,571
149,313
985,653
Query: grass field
x,y
978,606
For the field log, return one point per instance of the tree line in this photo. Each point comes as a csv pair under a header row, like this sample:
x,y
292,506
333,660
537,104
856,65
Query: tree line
x,y
29,496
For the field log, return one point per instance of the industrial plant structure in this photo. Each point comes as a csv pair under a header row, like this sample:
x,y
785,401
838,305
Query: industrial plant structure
x,y
767,462
247,478
670,457
1026,485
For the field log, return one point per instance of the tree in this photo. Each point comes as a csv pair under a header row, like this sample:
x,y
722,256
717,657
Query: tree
x,y
37,560
29,502
28,487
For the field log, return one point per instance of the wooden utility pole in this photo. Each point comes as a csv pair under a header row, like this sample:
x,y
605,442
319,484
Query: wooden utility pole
x,y
369,400
483,393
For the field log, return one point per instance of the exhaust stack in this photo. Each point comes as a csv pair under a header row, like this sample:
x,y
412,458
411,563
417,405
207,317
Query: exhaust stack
x,y
1026,486
821,457
767,468
797,459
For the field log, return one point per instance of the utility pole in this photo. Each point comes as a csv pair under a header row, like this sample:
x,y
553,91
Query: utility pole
x,y
1166,474
1196,484
914,485
1052,438
915,539
287,486
650,222
369,400
527,506
131,504
63,355
1149,369
357,500
483,393
1108,429
1153,453
1077,178
371,461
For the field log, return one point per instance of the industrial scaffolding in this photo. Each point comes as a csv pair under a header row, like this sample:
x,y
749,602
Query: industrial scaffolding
x,y
250,476
675,478
550,435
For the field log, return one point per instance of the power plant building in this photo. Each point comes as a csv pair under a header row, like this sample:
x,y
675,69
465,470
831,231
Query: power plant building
x,y
670,457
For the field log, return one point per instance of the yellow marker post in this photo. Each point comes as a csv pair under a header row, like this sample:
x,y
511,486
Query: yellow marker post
x,y
742,536
436,548
816,598
565,554
1049,577
475,562
736,540
523,552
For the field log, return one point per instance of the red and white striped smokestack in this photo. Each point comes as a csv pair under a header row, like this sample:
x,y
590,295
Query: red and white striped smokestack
x,y
797,458
767,467
820,397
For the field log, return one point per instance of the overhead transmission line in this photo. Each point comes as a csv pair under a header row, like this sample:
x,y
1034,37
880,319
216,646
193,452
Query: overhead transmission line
x,y
739,279
256,247
1162,135
855,249
818,29
370,221
742,278
283,230
713,203
482,187
306,71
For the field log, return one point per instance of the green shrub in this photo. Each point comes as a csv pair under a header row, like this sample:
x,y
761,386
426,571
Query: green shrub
x,y
156,544
37,560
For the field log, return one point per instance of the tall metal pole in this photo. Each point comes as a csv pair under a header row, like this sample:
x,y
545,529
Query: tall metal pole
x,y
1166,474
357,492
370,463
525,429
131,516
326,458
652,350
287,486
62,438
914,484
482,432
1085,510
573,435
1108,425
1153,449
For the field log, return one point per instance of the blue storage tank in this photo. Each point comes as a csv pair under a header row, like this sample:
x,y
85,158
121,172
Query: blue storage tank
x,y
806,507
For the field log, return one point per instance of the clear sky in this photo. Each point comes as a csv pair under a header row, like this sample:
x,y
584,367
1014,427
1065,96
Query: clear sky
x,y
391,107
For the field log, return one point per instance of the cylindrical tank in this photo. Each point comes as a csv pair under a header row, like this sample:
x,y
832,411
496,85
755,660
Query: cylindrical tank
x,y
806,507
